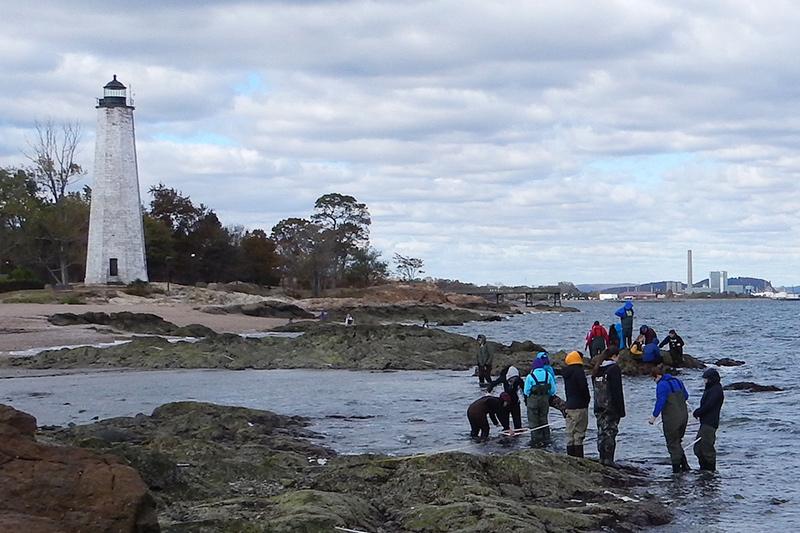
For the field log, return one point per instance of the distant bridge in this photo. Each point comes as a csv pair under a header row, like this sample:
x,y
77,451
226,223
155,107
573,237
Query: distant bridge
x,y
500,295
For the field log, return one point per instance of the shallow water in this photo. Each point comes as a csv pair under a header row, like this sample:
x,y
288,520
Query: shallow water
x,y
413,412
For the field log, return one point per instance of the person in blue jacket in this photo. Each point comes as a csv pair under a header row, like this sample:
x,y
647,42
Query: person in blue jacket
x,y
651,353
555,400
539,387
615,337
625,314
671,397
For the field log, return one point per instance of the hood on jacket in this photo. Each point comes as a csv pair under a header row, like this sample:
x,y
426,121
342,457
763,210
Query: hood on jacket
x,y
573,358
711,375
628,305
537,363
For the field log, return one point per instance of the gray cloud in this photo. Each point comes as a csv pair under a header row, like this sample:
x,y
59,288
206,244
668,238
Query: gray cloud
x,y
516,141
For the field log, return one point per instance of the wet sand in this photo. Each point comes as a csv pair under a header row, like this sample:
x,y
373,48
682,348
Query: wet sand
x,y
25,326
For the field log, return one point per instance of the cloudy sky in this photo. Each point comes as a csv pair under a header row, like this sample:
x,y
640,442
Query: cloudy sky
x,y
524,142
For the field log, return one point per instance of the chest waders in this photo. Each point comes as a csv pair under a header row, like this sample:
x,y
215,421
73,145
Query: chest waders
x,y
538,409
607,421
675,416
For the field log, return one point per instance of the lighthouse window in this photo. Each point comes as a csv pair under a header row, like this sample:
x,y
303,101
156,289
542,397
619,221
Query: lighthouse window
x,y
112,267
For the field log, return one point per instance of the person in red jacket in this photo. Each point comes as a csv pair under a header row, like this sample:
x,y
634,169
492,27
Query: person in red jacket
x,y
596,339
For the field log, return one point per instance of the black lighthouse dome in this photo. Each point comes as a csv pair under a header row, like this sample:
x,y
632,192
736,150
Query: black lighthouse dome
x,y
114,94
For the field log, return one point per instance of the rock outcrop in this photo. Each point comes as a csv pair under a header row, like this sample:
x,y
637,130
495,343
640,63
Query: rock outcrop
x,y
145,323
267,308
727,361
46,488
218,468
749,386
364,347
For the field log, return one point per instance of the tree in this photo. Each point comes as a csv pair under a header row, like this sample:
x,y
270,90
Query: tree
x,y
366,268
159,247
259,260
174,209
18,204
346,221
53,156
58,235
305,252
408,267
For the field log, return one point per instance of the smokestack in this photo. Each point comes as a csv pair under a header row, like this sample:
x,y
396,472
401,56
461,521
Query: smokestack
x,y
689,272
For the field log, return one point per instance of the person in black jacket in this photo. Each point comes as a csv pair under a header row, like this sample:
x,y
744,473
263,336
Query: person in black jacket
x,y
708,414
675,347
512,383
478,411
609,403
577,391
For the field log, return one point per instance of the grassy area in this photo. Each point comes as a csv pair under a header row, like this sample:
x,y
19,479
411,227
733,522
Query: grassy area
x,y
43,296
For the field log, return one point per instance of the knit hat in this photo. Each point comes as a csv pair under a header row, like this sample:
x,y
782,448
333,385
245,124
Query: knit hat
x,y
512,372
643,329
573,358
537,363
543,357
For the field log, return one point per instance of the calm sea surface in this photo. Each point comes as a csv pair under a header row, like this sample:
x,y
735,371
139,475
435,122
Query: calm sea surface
x,y
758,484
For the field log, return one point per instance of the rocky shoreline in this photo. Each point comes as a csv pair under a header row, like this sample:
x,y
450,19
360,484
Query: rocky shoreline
x,y
216,468
322,345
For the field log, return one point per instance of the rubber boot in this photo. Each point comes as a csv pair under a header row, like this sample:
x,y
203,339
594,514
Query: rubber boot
x,y
578,451
676,468
685,465
571,451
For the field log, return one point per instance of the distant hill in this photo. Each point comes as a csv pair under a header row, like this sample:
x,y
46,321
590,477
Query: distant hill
x,y
758,284
591,287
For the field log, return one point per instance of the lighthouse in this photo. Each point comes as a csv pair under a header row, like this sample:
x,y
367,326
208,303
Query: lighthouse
x,y
115,252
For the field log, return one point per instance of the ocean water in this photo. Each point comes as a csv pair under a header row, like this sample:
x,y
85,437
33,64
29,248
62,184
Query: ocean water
x,y
425,411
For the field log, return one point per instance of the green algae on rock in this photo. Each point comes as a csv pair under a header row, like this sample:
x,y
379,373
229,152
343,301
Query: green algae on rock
x,y
216,468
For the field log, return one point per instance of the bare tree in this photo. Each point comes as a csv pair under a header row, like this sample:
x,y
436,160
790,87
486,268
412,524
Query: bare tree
x,y
408,267
52,153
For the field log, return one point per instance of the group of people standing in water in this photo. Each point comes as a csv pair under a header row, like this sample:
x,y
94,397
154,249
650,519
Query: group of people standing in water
x,y
540,392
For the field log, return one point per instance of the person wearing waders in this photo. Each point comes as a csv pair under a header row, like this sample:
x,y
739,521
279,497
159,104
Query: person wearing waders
x,y
477,413
577,392
597,339
671,398
539,387
675,347
555,401
512,383
609,403
484,360
708,414
625,314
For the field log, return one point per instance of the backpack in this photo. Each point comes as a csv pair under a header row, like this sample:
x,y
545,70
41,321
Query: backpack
x,y
540,387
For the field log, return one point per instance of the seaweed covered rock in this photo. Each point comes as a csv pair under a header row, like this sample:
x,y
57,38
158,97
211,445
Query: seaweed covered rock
x,y
632,366
365,347
222,468
47,488
146,323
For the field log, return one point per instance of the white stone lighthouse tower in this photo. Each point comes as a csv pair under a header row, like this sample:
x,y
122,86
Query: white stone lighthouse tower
x,y
116,234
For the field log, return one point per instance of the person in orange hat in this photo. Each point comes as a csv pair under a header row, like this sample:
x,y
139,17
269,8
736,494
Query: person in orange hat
x,y
577,391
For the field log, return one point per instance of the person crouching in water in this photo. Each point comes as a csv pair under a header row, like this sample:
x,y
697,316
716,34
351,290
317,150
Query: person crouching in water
x,y
609,403
708,414
539,387
484,360
577,392
477,413
671,398
512,384
676,345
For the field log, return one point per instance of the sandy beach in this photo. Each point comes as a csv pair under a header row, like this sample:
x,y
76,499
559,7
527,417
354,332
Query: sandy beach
x,y
25,326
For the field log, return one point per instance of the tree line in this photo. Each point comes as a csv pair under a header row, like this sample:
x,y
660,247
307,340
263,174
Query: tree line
x,y
44,226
